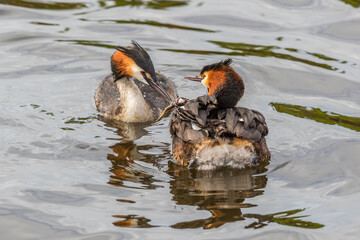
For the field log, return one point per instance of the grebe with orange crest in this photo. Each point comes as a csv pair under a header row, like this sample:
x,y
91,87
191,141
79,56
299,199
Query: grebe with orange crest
x,y
134,92
211,132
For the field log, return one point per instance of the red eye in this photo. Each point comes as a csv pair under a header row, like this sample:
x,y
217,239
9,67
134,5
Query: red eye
x,y
143,73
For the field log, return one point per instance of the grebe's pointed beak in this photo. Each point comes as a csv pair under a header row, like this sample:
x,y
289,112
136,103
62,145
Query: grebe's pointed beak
x,y
196,79
157,88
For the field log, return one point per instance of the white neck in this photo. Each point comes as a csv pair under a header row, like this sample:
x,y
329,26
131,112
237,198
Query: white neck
x,y
135,108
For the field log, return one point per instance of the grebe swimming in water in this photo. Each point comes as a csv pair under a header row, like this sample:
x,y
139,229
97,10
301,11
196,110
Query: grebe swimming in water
x,y
133,92
210,132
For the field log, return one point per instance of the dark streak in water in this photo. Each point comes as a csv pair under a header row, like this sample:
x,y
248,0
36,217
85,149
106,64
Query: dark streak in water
x,y
34,106
90,43
125,201
158,24
318,115
65,30
322,56
67,129
154,4
46,112
161,4
45,24
42,5
80,120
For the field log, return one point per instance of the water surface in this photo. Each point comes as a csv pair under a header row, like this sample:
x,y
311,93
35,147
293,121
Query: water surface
x,y
67,173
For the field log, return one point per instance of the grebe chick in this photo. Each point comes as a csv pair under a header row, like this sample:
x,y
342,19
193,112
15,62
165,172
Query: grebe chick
x,y
133,92
210,132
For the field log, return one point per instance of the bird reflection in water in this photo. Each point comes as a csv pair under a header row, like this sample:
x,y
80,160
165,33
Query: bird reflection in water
x,y
125,170
126,151
223,192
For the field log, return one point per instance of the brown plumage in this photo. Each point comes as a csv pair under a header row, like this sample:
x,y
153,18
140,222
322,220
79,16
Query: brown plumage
x,y
210,132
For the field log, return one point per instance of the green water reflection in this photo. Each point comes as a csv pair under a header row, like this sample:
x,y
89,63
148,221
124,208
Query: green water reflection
x,y
318,115
220,217
44,24
80,120
36,106
354,3
158,24
268,51
44,5
283,219
244,49
154,4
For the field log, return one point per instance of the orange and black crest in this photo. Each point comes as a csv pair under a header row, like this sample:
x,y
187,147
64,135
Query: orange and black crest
x,y
137,54
140,57
216,66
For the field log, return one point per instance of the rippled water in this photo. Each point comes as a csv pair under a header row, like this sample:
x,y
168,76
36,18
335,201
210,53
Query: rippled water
x,y
67,174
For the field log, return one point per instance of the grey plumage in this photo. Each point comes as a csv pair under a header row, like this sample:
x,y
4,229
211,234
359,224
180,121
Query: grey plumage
x,y
108,98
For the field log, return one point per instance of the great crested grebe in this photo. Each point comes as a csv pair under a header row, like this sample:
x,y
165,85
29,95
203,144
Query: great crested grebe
x,y
210,132
133,92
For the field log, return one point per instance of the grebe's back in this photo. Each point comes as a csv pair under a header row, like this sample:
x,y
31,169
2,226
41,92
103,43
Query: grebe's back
x,y
206,137
210,132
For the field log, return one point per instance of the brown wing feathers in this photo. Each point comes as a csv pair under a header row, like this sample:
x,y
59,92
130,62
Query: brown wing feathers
x,y
196,119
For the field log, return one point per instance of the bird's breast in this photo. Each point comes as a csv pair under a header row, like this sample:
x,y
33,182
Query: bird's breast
x,y
134,108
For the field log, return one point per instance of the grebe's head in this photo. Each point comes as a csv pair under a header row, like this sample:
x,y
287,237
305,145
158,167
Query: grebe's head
x,y
223,82
134,61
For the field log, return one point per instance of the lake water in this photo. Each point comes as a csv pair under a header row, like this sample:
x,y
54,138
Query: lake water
x,y
66,173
